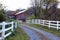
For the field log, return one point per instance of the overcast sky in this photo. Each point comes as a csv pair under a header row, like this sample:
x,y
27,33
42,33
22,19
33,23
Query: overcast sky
x,y
16,4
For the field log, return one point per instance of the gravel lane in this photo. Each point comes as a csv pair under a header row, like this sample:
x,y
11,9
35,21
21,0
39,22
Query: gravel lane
x,y
30,33
48,35
33,36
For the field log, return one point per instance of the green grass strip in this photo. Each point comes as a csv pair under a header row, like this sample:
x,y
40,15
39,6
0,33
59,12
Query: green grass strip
x,y
18,34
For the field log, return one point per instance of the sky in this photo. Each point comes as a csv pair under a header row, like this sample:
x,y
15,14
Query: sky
x,y
58,4
16,4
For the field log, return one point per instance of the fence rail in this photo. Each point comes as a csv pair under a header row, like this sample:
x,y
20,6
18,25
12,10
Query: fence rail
x,y
3,29
52,24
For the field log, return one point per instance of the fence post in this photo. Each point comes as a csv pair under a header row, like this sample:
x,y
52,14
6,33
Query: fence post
x,y
57,25
3,30
39,21
43,22
15,24
12,26
32,21
49,24
27,21
36,21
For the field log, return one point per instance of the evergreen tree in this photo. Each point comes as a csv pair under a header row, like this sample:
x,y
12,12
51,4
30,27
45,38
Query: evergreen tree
x,y
2,14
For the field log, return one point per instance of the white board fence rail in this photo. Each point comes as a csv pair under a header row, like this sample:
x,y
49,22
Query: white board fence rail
x,y
4,29
49,24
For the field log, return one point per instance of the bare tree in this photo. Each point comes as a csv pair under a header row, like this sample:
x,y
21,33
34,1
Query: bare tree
x,y
36,7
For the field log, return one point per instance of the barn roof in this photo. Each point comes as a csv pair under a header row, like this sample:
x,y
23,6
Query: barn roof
x,y
20,12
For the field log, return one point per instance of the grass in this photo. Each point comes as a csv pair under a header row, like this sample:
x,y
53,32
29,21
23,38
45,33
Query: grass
x,y
51,30
18,34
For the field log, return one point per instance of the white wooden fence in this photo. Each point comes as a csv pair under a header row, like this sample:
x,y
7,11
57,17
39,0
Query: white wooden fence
x,y
4,29
52,24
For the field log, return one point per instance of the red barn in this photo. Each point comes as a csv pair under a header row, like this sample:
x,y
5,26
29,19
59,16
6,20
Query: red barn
x,y
21,15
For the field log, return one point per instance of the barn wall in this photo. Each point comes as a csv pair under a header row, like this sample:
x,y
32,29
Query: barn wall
x,y
20,16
